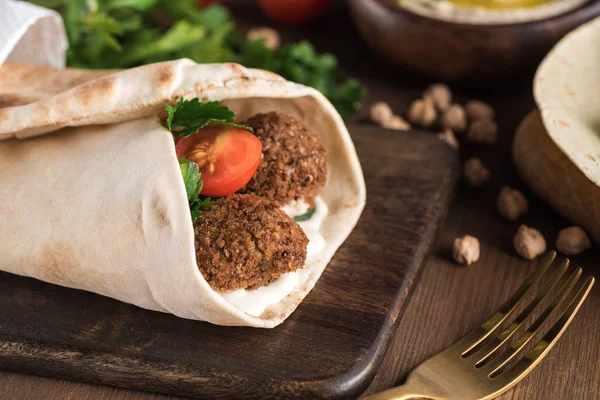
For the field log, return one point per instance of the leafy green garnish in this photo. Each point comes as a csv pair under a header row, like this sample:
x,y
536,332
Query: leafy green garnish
x,y
198,204
305,217
128,33
300,63
193,185
188,116
191,178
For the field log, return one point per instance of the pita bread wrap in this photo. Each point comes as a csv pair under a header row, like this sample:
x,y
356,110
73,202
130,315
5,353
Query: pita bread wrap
x,y
566,89
95,195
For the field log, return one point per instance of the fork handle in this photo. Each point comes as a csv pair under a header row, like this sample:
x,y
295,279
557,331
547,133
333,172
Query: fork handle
x,y
411,390
397,393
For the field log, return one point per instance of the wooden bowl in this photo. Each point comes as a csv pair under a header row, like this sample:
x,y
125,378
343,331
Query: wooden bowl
x,y
471,54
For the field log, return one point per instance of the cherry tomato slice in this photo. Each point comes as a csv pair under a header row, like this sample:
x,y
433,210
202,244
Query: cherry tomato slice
x,y
227,158
294,11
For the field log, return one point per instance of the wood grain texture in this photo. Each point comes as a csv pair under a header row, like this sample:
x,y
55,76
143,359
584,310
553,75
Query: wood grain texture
x,y
448,300
330,347
474,54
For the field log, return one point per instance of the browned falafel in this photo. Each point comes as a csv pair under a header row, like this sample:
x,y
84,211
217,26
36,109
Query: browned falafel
x,y
245,241
294,162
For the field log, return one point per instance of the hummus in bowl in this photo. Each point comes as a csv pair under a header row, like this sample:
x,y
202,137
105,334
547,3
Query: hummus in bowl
x,y
490,12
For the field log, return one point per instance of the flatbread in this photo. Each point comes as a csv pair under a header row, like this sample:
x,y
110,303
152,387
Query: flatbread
x,y
94,198
566,89
24,84
552,176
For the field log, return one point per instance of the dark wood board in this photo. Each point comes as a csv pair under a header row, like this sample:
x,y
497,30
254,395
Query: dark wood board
x,y
331,347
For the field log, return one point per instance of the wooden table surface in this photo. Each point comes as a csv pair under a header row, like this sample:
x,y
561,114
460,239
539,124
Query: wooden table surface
x,y
449,300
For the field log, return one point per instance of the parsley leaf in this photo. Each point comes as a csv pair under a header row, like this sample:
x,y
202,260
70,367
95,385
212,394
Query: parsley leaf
x,y
193,185
180,35
191,178
299,62
128,33
306,216
185,119
188,116
198,204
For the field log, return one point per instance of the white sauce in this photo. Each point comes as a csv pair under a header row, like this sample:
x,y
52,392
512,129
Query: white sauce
x,y
296,208
255,301
312,228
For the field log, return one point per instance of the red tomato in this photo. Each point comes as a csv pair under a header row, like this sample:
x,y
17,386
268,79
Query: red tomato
x,y
227,157
294,11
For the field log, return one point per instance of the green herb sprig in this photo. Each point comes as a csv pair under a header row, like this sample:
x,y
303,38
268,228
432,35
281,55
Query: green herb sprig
x,y
193,185
306,216
128,33
188,116
185,119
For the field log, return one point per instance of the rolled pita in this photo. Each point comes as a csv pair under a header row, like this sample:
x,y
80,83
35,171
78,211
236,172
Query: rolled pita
x,y
557,149
554,177
566,91
93,197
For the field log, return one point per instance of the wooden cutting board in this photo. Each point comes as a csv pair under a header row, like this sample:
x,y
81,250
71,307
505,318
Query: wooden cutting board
x,y
331,347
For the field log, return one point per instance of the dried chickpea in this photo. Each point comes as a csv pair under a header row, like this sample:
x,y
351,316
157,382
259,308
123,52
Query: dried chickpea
x,y
529,243
448,136
512,204
396,122
455,118
477,109
483,131
440,94
475,172
572,241
381,112
422,112
269,35
465,250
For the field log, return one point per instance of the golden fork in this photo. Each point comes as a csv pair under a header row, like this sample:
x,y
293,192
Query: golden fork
x,y
474,368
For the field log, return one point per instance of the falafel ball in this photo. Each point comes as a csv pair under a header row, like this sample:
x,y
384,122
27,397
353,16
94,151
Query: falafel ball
x,y
245,241
294,161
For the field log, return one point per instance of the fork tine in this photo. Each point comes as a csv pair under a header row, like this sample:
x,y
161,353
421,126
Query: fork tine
x,y
496,364
474,339
483,355
539,351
